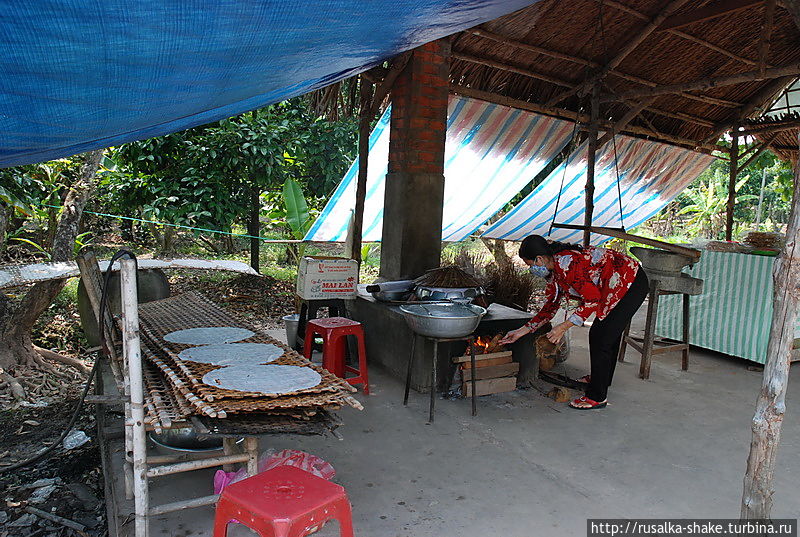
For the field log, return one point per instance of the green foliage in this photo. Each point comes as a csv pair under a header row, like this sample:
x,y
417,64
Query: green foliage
x,y
203,177
297,215
700,210
707,211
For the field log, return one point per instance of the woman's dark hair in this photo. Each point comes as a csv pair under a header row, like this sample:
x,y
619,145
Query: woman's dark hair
x,y
534,245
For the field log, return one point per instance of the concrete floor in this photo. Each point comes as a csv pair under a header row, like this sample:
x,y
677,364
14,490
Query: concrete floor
x,y
671,447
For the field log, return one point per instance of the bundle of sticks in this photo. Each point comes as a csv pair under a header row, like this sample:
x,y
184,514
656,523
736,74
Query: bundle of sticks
x,y
447,277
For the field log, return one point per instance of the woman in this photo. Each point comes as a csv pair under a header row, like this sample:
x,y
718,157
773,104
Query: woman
x,y
609,284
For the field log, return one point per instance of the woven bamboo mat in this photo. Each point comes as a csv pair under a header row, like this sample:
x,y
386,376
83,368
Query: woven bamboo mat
x,y
271,423
192,310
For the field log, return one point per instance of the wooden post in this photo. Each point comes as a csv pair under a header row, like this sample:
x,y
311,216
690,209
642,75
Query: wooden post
x,y
364,118
254,227
590,163
130,340
732,183
770,407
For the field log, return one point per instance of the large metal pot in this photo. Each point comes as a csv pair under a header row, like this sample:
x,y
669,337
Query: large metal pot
x,y
443,320
185,439
661,260
447,293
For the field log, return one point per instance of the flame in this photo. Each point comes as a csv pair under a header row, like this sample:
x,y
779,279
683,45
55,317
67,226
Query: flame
x,y
482,344
486,345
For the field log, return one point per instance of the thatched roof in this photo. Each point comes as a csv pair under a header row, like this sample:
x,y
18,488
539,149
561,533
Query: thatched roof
x,y
536,57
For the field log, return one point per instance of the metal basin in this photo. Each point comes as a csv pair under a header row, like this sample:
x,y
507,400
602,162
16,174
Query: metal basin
x,y
185,439
661,260
390,296
443,320
447,293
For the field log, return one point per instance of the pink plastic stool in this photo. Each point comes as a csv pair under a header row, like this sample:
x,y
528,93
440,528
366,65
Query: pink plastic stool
x,y
283,502
333,331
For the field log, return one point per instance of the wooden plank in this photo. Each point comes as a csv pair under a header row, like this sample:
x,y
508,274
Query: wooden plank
x,y
619,234
490,386
488,363
483,357
492,372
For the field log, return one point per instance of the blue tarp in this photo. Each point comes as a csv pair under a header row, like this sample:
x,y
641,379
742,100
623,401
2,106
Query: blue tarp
x,y
77,75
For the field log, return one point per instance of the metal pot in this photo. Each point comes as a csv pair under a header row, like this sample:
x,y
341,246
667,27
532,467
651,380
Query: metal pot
x,y
447,293
390,296
185,439
443,320
661,260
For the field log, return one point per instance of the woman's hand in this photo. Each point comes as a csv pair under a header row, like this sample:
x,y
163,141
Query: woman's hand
x,y
555,335
514,335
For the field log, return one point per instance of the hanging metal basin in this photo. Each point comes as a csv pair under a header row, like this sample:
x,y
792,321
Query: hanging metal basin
x,y
443,320
661,260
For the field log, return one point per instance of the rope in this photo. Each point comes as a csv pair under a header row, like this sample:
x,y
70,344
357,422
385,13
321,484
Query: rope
x,y
217,231
570,151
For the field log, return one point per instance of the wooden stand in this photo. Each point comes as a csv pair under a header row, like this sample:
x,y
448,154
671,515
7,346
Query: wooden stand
x,y
138,466
649,346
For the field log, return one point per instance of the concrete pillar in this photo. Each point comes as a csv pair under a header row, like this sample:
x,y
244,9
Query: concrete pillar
x,y
412,219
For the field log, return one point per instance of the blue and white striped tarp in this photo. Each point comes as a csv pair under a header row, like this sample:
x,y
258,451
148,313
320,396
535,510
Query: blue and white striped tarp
x,y
651,174
491,153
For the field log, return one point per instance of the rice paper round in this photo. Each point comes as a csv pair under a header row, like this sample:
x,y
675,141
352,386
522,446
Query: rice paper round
x,y
209,335
266,379
233,354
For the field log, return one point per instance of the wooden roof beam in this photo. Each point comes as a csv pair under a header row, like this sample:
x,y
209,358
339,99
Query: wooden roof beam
x,y
566,84
510,68
589,63
766,33
752,130
709,82
629,47
765,94
630,11
708,12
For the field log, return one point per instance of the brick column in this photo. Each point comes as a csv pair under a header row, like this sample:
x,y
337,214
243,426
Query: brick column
x,y
412,219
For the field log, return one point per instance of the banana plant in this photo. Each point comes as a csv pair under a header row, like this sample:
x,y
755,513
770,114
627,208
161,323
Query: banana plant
x,y
298,217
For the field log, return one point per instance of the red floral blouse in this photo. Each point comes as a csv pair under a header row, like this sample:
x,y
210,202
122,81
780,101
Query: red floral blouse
x,y
599,277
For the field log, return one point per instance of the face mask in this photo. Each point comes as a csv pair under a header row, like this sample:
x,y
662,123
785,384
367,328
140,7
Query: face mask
x,y
540,271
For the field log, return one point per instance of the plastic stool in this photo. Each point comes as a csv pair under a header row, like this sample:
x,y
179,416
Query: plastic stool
x,y
309,309
283,502
333,331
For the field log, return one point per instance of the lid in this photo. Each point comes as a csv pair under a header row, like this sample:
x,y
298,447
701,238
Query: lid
x,y
450,310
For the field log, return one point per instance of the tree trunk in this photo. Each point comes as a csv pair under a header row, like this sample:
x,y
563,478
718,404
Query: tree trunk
x,y
498,249
770,407
5,213
16,323
254,228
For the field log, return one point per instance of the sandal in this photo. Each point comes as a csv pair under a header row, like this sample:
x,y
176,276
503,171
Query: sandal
x,y
586,379
584,403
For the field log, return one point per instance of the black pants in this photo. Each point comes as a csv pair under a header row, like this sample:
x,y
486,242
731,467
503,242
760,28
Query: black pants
x,y
605,337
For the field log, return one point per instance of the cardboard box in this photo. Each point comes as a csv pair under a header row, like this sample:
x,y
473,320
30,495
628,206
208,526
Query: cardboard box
x,y
326,278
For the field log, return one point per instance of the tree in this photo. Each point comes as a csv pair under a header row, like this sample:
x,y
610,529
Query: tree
x,y
211,176
17,320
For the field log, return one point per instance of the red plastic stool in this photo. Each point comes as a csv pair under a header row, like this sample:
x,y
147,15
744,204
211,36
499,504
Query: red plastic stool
x,y
333,331
283,502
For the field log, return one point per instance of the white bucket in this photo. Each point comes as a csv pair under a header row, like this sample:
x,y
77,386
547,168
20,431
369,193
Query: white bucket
x,y
291,322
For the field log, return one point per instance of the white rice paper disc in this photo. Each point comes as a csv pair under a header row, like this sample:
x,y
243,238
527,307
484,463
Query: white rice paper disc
x,y
209,335
233,354
266,379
